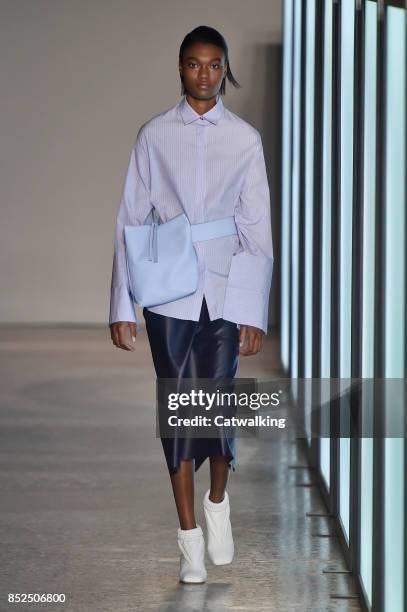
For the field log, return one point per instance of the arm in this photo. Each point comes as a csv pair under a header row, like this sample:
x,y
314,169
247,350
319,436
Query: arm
x,y
133,209
249,281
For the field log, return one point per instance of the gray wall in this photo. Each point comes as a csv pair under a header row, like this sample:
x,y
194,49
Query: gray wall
x,y
78,77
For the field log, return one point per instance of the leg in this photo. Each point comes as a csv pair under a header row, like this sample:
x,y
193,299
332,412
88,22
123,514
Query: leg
x,y
218,357
183,488
170,342
219,467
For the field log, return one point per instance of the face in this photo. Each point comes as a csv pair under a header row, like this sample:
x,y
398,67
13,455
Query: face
x,y
203,68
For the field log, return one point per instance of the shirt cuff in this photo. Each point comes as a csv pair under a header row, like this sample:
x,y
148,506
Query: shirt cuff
x,y
121,305
248,289
246,307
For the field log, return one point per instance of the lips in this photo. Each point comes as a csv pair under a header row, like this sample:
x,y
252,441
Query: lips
x,y
203,85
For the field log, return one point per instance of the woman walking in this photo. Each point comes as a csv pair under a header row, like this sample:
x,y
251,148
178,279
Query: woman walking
x,y
200,159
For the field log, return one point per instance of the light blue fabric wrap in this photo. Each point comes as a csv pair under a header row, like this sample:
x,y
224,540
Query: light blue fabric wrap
x,y
162,264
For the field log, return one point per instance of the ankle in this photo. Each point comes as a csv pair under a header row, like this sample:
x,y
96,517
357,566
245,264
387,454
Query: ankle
x,y
216,499
188,526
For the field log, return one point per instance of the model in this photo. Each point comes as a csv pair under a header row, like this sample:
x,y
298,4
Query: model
x,y
200,158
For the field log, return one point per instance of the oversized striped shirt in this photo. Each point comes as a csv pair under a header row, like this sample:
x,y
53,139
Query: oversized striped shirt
x,y
208,166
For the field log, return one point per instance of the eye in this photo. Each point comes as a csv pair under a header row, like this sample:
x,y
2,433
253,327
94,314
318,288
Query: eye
x,y
218,65
192,64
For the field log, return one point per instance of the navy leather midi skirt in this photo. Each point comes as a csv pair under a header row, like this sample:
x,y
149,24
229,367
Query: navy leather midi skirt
x,y
182,348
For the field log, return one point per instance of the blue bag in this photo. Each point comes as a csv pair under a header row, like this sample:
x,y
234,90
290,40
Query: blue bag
x,y
162,263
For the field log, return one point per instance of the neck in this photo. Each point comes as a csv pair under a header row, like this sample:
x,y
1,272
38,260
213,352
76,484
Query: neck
x,y
200,106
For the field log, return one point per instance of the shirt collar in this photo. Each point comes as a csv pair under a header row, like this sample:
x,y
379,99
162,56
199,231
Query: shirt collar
x,y
189,115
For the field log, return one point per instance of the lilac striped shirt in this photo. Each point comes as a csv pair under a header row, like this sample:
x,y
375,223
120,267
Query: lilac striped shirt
x,y
208,167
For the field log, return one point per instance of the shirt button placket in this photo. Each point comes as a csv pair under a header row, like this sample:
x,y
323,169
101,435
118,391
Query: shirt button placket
x,y
200,183
200,171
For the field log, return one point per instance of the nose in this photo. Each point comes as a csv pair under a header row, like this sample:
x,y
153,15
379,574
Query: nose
x,y
203,72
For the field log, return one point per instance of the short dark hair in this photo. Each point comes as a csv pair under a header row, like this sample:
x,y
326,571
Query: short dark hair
x,y
206,34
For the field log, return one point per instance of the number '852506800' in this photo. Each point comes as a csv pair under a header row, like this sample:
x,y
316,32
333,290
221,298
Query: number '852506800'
x,y
36,598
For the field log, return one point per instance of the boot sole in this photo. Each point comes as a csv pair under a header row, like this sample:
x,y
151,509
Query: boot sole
x,y
222,562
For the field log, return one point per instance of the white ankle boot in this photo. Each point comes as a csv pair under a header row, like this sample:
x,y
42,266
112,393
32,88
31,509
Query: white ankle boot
x,y
192,561
220,541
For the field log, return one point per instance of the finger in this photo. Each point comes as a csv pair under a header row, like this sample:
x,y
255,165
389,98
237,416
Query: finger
x,y
125,347
242,336
245,350
115,337
124,341
133,331
252,338
254,345
257,343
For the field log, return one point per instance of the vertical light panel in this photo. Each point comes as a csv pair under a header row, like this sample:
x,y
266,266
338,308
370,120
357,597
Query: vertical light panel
x,y
367,307
309,202
395,305
309,180
395,300
286,183
326,233
345,239
295,205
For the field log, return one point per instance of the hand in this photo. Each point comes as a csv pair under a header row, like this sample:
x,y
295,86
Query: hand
x,y
250,340
123,334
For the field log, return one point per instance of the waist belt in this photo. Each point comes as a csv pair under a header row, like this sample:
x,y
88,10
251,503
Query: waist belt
x,y
199,231
213,229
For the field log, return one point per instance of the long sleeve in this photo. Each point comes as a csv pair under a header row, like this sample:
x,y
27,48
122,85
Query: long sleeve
x,y
134,207
249,280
